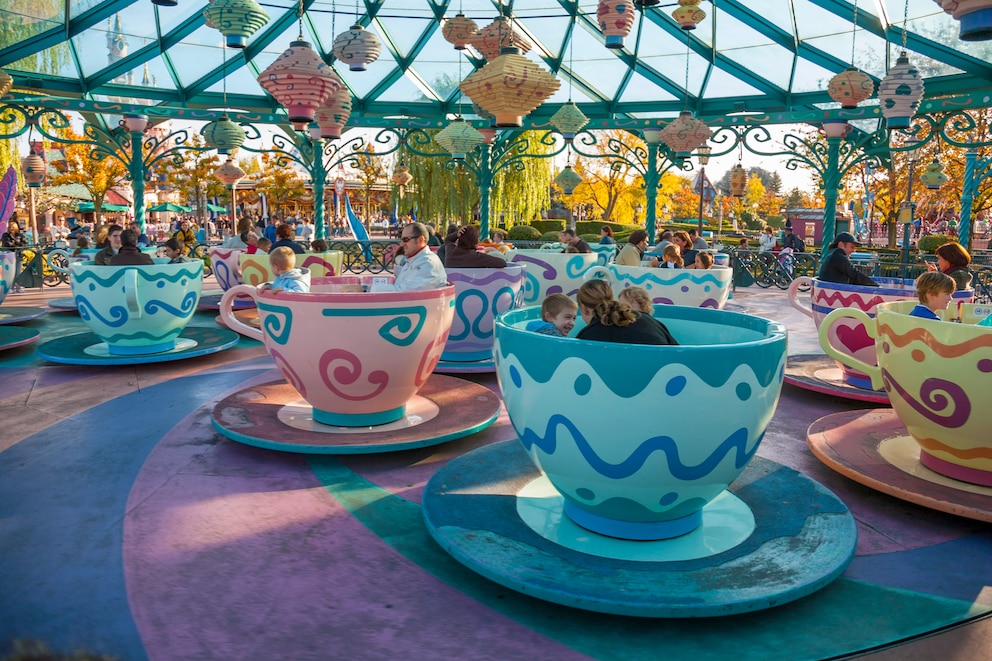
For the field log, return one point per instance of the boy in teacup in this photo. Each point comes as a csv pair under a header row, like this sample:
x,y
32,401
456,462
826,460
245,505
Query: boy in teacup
x,y
557,316
935,290
282,261
174,251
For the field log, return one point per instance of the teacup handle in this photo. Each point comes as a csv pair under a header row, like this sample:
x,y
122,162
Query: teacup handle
x,y
872,371
227,311
131,292
55,267
597,272
801,281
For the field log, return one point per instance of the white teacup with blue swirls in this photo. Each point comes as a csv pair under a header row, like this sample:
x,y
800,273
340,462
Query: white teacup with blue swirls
x,y
480,295
8,265
137,310
698,288
639,438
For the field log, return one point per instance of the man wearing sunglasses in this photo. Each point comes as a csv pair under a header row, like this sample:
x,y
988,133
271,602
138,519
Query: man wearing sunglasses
x,y
416,267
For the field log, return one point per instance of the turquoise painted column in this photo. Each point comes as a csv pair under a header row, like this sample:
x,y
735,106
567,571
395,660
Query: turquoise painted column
x,y
319,179
136,169
651,191
485,180
831,180
967,197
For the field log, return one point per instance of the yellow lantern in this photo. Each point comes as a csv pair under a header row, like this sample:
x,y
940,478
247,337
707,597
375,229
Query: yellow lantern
x,y
688,15
510,87
850,87
459,31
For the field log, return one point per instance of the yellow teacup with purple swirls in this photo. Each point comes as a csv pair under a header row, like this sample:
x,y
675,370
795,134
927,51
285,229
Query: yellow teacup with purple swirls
x,y
938,375
550,272
698,288
136,310
585,413
357,358
480,295
255,268
8,264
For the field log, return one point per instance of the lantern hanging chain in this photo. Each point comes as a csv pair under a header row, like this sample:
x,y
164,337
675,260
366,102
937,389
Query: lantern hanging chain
x,y
223,72
854,31
299,15
571,69
687,50
905,18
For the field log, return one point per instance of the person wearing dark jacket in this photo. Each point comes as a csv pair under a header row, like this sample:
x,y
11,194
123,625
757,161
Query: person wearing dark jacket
x,y
285,234
461,251
608,320
130,254
838,267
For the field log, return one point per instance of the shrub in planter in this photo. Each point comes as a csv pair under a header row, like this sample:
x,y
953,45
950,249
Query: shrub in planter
x,y
545,226
549,237
525,233
928,244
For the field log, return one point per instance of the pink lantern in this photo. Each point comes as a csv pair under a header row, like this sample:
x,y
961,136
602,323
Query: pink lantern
x,y
229,173
975,17
850,87
616,17
836,128
498,35
459,31
299,80
685,134
334,114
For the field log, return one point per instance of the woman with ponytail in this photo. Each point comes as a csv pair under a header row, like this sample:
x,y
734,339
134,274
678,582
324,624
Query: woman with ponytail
x,y
608,320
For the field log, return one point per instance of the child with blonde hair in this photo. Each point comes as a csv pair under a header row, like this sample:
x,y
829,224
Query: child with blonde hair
x,y
282,261
671,258
637,298
935,290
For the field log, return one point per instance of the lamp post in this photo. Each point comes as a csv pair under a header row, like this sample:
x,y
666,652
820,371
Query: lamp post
x,y
907,208
704,159
639,210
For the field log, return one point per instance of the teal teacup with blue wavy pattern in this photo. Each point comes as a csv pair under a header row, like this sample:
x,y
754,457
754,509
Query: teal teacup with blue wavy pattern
x,y
137,309
8,264
639,438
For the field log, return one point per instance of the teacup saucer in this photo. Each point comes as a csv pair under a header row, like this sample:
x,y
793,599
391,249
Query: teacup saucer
x,y
212,302
12,314
819,373
467,367
65,304
872,447
87,349
246,316
494,512
17,336
273,416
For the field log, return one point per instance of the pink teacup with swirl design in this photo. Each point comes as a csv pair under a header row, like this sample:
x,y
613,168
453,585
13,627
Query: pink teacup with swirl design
x,y
938,375
848,335
255,268
357,358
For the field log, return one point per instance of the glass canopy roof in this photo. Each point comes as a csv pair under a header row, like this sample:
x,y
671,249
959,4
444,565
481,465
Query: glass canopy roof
x,y
753,55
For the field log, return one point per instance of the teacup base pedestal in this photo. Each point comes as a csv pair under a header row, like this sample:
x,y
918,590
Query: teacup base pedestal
x,y
273,416
14,314
88,349
873,448
212,302
490,511
485,366
819,373
16,336
64,304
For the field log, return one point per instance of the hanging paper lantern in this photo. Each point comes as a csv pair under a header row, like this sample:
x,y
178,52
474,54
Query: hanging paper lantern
x,y
688,15
850,87
6,81
933,176
299,80
223,135
334,114
685,134
34,170
236,19
975,17
899,93
568,180
488,135
738,180
401,174
459,31
835,128
492,39
569,120
357,47
459,138
510,87
616,17
229,173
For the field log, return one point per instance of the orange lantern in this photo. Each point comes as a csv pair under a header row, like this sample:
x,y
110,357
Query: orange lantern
x,y
850,87
510,87
499,34
459,31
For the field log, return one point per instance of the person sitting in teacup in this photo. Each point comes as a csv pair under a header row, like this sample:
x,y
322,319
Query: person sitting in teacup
x,y
110,246
143,240
704,260
461,251
282,261
935,290
557,316
130,254
671,258
632,254
953,260
838,267
417,268
570,238
637,298
174,251
608,320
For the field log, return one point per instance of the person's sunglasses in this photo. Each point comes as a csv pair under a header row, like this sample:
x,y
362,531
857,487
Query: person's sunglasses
x,y
407,238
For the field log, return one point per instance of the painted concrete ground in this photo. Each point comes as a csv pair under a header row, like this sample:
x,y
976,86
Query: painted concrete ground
x,y
129,527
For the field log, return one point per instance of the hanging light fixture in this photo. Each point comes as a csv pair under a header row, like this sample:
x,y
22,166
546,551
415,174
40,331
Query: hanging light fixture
x,y
229,173
6,82
685,133
357,47
299,80
33,168
500,34
401,175
933,176
899,93
569,120
510,87
335,113
165,3
459,30
850,87
836,128
738,180
459,138
688,15
236,19
568,180
222,134
975,17
616,18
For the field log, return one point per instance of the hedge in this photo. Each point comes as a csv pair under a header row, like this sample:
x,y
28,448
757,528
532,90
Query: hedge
x,y
930,243
545,226
525,233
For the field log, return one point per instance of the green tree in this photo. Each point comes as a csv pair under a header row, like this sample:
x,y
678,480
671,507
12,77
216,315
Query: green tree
x,y
372,173
97,177
281,184
194,179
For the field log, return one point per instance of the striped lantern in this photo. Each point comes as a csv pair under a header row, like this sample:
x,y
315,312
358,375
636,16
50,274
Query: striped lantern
x,y
459,138
6,81
510,87
568,180
616,17
33,168
738,180
688,15
685,134
299,80
569,120
334,114
357,47
899,93
236,19
459,31
500,34
975,17
223,135
850,87
229,173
